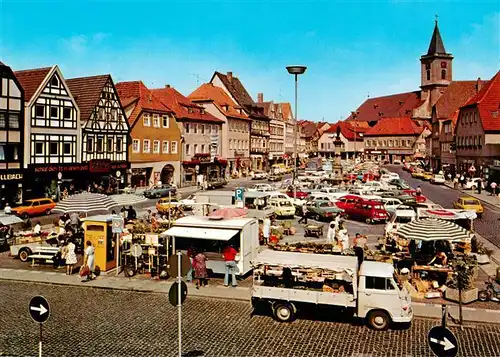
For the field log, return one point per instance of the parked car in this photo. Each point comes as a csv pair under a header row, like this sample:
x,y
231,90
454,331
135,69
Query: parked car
x,y
282,208
160,191
322,210
348,201
275,178
389,176
399,184
259,175
216,183
369,211
417,174
466,202
418,197
438,179
427,176
473,183
298,193
34,207
407,199
390,204
404,211
397,162
262,187
320,196
163,204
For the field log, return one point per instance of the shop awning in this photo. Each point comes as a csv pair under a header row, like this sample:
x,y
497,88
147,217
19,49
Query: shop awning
x,y
9,219
201,233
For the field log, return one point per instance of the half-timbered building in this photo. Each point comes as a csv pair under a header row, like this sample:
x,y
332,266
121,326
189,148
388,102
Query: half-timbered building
x,y
11,137
52,143
105,129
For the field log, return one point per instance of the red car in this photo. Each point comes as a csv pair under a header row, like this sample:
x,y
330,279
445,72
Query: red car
x,y
369,176
348,201
350,177
369,211
419,198
298,194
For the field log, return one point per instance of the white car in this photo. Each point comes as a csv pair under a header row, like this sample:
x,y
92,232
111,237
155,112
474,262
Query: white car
x,y
389,176
259,175
374,184
473,183
438,179
321,196
189,201
390,204
405,211
261,187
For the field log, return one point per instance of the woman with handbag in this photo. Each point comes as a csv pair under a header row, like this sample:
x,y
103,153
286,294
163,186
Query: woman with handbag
x,y
88,264
200,270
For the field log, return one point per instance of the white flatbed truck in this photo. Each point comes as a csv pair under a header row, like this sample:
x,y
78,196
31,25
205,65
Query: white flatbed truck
x,y
288,281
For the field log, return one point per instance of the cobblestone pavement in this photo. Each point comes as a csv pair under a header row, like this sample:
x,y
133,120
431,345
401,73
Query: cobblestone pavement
x,y
487,226
90,322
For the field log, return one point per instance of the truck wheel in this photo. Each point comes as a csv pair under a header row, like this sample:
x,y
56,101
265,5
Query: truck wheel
x,y
284,312
379,320
24,253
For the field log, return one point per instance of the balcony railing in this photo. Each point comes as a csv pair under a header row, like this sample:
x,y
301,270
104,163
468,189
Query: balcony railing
x,y
259,150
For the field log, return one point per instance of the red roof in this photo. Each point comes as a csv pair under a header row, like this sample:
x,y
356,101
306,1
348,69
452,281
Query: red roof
x,y
217,95
395,127
396,105
349,130
183,107
456,94
31,79
87,92
130,92
488,103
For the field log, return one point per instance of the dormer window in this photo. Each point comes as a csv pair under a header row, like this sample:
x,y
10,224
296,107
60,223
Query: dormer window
x,y
190,110
202,111
226,108
375,106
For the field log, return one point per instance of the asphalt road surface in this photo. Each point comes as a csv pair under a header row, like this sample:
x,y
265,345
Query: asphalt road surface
x,y
97,322
487,226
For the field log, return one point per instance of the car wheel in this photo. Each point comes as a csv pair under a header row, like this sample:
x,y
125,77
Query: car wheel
x,y
345,216
284,312
24,253
369,221
47,211
24,215
379,320
483,295
473,188
317,217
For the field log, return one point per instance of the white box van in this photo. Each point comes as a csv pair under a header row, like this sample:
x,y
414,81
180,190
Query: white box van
x,y
289,281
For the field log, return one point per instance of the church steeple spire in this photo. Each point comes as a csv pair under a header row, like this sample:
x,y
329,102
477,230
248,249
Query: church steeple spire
x,y
436,46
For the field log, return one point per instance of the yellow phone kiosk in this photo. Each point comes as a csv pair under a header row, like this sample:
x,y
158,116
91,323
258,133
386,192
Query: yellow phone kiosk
x,y
99,232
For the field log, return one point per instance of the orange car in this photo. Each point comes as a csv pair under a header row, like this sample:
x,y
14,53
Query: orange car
x,y
34,207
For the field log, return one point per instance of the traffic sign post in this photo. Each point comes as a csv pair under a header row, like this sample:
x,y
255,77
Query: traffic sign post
x,y
239,197
117,228
39,311
442,341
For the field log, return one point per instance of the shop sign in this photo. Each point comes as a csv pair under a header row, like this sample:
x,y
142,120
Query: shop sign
x,y
119,165
11,177
100,165
400,152
61,168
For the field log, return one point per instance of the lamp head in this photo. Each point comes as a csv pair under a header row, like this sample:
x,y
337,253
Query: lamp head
x,y
296,69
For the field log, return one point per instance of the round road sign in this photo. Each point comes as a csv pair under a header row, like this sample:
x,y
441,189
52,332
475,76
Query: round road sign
x,y
442,342
173,293
39,309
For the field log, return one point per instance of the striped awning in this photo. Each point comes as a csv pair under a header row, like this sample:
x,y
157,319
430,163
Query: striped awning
x,y
127,199
85,203
429,229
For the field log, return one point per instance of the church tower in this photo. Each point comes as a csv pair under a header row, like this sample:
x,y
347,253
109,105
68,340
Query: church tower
x,y
436,69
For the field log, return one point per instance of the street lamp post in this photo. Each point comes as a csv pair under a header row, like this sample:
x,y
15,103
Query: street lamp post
x,y
295,70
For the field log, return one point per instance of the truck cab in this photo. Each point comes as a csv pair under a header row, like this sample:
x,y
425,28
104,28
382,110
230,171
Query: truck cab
x,y
381,298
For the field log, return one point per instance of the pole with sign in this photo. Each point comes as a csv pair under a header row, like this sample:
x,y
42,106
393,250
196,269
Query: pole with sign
x,y
178,291
442,341
39,311
117,228
239,197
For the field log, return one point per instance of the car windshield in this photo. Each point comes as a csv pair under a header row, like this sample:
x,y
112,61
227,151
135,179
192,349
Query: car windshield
x,y
286,203
471,202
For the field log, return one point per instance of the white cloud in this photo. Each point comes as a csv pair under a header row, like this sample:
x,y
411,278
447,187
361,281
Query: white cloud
x,y
76,43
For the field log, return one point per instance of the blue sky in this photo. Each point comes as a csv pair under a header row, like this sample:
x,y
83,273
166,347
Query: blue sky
x,y
351,48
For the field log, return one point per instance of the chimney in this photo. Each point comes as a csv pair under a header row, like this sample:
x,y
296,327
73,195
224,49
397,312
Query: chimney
x,y
167,85
479,84
260,97
230,76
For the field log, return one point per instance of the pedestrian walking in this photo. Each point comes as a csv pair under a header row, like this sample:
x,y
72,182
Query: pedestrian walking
x,y
479,185
330,236
200,270
229,254
304,214
462,180
191,253
419,191
266,229
70,257
493,186
89,261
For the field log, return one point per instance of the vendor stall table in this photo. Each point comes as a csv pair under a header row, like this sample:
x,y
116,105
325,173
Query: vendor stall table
x,y
416,269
